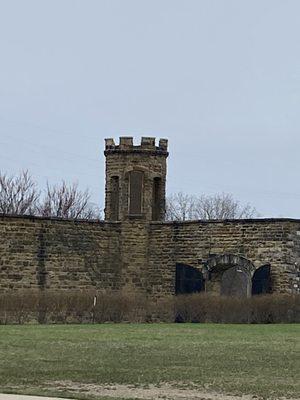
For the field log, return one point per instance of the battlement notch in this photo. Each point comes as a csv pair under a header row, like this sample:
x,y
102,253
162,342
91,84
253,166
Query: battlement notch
x,y
147,144
135,186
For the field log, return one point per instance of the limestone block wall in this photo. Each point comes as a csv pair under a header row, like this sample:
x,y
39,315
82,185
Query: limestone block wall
x,y
295,260
262,241
162,259
137,255
48,253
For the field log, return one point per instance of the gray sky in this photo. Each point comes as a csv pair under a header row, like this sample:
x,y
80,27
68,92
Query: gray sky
x,y
219,78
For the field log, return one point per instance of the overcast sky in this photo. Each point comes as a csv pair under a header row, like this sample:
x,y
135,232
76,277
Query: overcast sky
x,y
219,78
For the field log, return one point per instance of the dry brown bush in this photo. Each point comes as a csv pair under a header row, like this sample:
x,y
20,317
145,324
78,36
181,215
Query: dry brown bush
x,y
274,308
65,306
120,307
90,306
17,307
162,309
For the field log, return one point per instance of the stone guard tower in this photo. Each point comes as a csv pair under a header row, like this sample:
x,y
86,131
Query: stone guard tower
x,y
135,195
135,179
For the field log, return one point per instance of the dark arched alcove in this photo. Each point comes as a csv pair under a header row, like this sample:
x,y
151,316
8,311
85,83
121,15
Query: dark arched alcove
x,y
261,280
188,279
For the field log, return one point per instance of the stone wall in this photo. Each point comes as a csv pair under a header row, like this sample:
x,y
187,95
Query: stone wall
x,y
56,254
138,255
261,241
294,270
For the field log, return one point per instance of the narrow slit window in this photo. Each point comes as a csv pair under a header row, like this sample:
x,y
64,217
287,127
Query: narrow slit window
x,y
114,199
156,201
135,192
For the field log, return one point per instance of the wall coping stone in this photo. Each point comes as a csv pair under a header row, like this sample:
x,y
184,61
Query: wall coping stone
x,y
58,219
227,221
174,223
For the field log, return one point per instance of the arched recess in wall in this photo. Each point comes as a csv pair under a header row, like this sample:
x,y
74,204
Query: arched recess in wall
x,y
136,183
261,280
229,275
156,199
114,198
188,279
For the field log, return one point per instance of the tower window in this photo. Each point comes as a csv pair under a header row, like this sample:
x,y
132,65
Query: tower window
x,y
114,198
156,201
135,192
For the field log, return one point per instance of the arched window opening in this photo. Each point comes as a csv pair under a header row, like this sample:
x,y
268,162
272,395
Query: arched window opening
x,y
261,281
188,279
235,281
156,201
135,192
114,198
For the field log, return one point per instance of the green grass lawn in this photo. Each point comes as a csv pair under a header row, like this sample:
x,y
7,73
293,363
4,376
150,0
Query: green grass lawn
x,y
262,360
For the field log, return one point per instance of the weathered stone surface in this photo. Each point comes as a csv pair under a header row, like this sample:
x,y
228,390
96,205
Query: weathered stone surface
x,y
261,241
44,253
138,255
134,253
125,158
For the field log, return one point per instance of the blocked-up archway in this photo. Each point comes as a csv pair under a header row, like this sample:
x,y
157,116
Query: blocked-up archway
x,y
229,275
235,281
188,279
261,280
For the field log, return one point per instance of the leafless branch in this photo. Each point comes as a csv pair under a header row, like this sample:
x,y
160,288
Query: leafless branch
x,y
181,207
67,201
18,194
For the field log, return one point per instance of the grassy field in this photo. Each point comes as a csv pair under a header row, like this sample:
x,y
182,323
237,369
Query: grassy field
x,y
261,360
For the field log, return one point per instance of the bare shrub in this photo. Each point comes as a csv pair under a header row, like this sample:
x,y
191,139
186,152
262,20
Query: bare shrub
x,y
162,309
202,307
61,306
120,307
66,306
110,307
190,308
139,309
17,307
274,308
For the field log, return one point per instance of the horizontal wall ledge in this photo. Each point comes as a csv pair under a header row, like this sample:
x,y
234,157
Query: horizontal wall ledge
x,y
227,221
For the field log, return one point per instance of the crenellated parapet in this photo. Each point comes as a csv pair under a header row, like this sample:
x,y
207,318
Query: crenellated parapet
x,y
135,185
147,144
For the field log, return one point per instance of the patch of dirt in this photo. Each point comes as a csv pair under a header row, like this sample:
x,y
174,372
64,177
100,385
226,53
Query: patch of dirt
x,y
150,392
